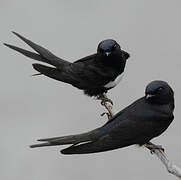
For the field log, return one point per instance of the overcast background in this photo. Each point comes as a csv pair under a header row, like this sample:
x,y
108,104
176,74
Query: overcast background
x,y
39,107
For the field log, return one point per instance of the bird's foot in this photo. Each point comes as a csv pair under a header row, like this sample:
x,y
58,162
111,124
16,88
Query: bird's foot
x,y
104,99
106,113
153,147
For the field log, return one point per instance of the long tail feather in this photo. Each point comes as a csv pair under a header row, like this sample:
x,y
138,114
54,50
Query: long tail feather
x,y
40,145
72,139
29,54
42,51
37,74
44,54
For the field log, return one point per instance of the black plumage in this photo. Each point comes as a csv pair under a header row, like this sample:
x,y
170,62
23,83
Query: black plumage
x,y
95,74
144,119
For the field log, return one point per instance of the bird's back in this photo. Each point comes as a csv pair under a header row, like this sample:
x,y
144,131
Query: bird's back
x,y
139,122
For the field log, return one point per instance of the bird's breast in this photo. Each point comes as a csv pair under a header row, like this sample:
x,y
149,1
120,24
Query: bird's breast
x,y
113,83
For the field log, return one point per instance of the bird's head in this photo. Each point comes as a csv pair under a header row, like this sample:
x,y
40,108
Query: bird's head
x,y
109,47
159,92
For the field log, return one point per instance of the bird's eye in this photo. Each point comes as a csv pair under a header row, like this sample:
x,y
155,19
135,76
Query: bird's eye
x,y
114,47
159,89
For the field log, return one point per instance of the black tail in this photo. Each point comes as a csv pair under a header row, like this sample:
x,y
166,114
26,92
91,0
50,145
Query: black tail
x,y
54,73
72,139
43,55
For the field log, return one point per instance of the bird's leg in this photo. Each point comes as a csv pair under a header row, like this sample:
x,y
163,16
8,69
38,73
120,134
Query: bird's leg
x,y
108,104
104,99
152,147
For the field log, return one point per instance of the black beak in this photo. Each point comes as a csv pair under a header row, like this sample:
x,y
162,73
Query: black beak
x,y
148,96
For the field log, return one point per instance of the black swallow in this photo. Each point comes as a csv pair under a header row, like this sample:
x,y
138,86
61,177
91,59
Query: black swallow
x,y
144,119
94,74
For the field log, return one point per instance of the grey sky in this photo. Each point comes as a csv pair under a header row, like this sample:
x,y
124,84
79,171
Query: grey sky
x,y
38,107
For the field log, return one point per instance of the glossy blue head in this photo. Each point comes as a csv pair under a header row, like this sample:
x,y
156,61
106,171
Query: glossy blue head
x,y
159,92
108,46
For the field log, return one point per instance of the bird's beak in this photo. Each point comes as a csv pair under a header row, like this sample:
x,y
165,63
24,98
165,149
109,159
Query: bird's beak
x,y
108,53
148,96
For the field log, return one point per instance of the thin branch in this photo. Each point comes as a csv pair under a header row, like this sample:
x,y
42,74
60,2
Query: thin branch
x,y
170,166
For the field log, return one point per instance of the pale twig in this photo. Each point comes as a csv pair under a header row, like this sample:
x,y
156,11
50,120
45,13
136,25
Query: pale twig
x,y
170,166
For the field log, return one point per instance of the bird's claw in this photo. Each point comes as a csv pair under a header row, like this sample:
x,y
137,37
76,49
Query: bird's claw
x,y
106,113
157,147
104,100
153,147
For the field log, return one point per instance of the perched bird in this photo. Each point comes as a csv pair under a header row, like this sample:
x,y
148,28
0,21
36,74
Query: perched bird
x,y
94,74
144,119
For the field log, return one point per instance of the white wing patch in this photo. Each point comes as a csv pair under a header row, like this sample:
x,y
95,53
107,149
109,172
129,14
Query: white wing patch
x,y
112,84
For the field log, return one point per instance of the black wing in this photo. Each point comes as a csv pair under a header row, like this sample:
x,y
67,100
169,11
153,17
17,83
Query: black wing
x,y
80,75
134,125
87,58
